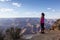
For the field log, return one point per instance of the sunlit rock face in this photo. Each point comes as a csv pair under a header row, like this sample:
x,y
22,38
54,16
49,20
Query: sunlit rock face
x,y
56,25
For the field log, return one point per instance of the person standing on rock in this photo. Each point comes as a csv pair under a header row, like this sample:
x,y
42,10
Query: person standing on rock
x,y
42,22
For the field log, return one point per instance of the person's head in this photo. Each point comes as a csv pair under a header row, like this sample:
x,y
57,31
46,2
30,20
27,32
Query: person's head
x,y
42,14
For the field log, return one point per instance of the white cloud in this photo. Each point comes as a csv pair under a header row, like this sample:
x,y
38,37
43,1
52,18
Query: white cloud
x,y
4,0
53,10
9,13
30,14
17,4
49,8
5,10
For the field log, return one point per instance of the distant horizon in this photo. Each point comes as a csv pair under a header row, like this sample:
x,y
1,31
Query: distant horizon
x,y
28,17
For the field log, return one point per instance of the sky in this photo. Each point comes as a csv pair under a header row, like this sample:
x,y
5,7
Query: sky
x,y
29,8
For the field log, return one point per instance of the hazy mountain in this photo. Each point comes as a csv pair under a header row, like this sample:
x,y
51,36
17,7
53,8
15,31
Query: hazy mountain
x,y
22,23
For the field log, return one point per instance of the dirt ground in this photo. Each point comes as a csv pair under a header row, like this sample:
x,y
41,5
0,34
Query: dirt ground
x,y
49,35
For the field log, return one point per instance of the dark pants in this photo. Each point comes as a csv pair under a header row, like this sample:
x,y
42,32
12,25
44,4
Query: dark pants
x,y
42,27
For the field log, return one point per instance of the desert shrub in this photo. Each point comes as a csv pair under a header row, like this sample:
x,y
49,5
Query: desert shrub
x,y
1,35
14,33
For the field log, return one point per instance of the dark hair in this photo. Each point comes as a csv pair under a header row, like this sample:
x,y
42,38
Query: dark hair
x,y
43,14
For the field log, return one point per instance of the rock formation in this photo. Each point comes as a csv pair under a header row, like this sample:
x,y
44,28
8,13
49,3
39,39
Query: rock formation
x,y
56,25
